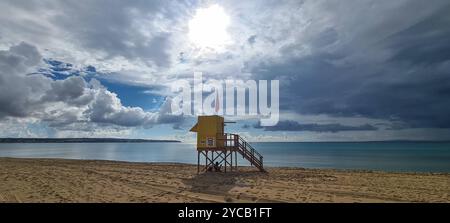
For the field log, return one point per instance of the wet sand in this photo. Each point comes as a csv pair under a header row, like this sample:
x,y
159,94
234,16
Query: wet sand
x,y
57,180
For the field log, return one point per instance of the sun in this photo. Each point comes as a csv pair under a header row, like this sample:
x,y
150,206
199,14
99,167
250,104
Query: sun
x,y
208,28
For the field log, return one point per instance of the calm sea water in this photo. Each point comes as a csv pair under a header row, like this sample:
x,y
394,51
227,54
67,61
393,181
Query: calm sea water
x,y
387,156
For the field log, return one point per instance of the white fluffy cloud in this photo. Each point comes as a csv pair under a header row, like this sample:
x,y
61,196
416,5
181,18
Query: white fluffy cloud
x,y
69,104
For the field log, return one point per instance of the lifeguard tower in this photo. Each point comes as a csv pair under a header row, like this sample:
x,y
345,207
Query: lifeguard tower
x,y
219,148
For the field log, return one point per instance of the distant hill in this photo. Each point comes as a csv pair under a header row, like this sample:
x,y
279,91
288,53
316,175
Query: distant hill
x,y
78,140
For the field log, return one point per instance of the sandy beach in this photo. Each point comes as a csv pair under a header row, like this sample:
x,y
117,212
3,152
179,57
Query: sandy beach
x,y
56,180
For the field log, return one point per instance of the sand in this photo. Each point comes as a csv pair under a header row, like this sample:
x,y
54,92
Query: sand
x,y
56,180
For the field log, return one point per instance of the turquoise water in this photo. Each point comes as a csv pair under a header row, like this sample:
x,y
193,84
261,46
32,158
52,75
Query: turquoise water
x,y
386,156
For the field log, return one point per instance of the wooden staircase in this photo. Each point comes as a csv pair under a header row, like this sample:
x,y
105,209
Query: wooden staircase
x,y
250,154
235,143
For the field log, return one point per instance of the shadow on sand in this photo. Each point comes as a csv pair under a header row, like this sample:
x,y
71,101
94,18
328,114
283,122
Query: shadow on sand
x,y
220,183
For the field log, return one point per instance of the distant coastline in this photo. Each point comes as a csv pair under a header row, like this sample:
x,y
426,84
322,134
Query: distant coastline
x,y
79,140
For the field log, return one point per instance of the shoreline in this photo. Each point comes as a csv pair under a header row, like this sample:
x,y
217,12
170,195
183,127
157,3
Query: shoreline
x,y
245,166
71,180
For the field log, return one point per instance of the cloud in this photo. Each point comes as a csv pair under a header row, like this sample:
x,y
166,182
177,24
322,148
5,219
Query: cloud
x,y
15,87
69,90
252,39
63,103
395,68
107,108
331,59
133,32
288,125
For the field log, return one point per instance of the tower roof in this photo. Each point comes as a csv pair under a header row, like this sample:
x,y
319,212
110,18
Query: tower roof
x,y
194,128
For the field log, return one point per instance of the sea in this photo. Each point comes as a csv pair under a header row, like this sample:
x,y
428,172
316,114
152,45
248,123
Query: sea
x,y
377,156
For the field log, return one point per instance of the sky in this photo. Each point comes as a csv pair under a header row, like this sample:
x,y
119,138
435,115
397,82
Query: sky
x,y
354,70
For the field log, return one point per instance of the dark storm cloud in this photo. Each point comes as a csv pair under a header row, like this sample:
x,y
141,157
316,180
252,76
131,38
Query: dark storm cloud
x,y
327,37
402,77
288,125
424,43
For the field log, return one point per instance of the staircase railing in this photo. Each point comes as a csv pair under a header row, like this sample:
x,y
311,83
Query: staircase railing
x,y
247,151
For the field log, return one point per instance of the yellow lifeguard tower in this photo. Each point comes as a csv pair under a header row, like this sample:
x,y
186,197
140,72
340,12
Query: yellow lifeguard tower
x,y
217,147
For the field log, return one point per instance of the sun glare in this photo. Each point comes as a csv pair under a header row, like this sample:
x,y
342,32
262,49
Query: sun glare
x,y
208,28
